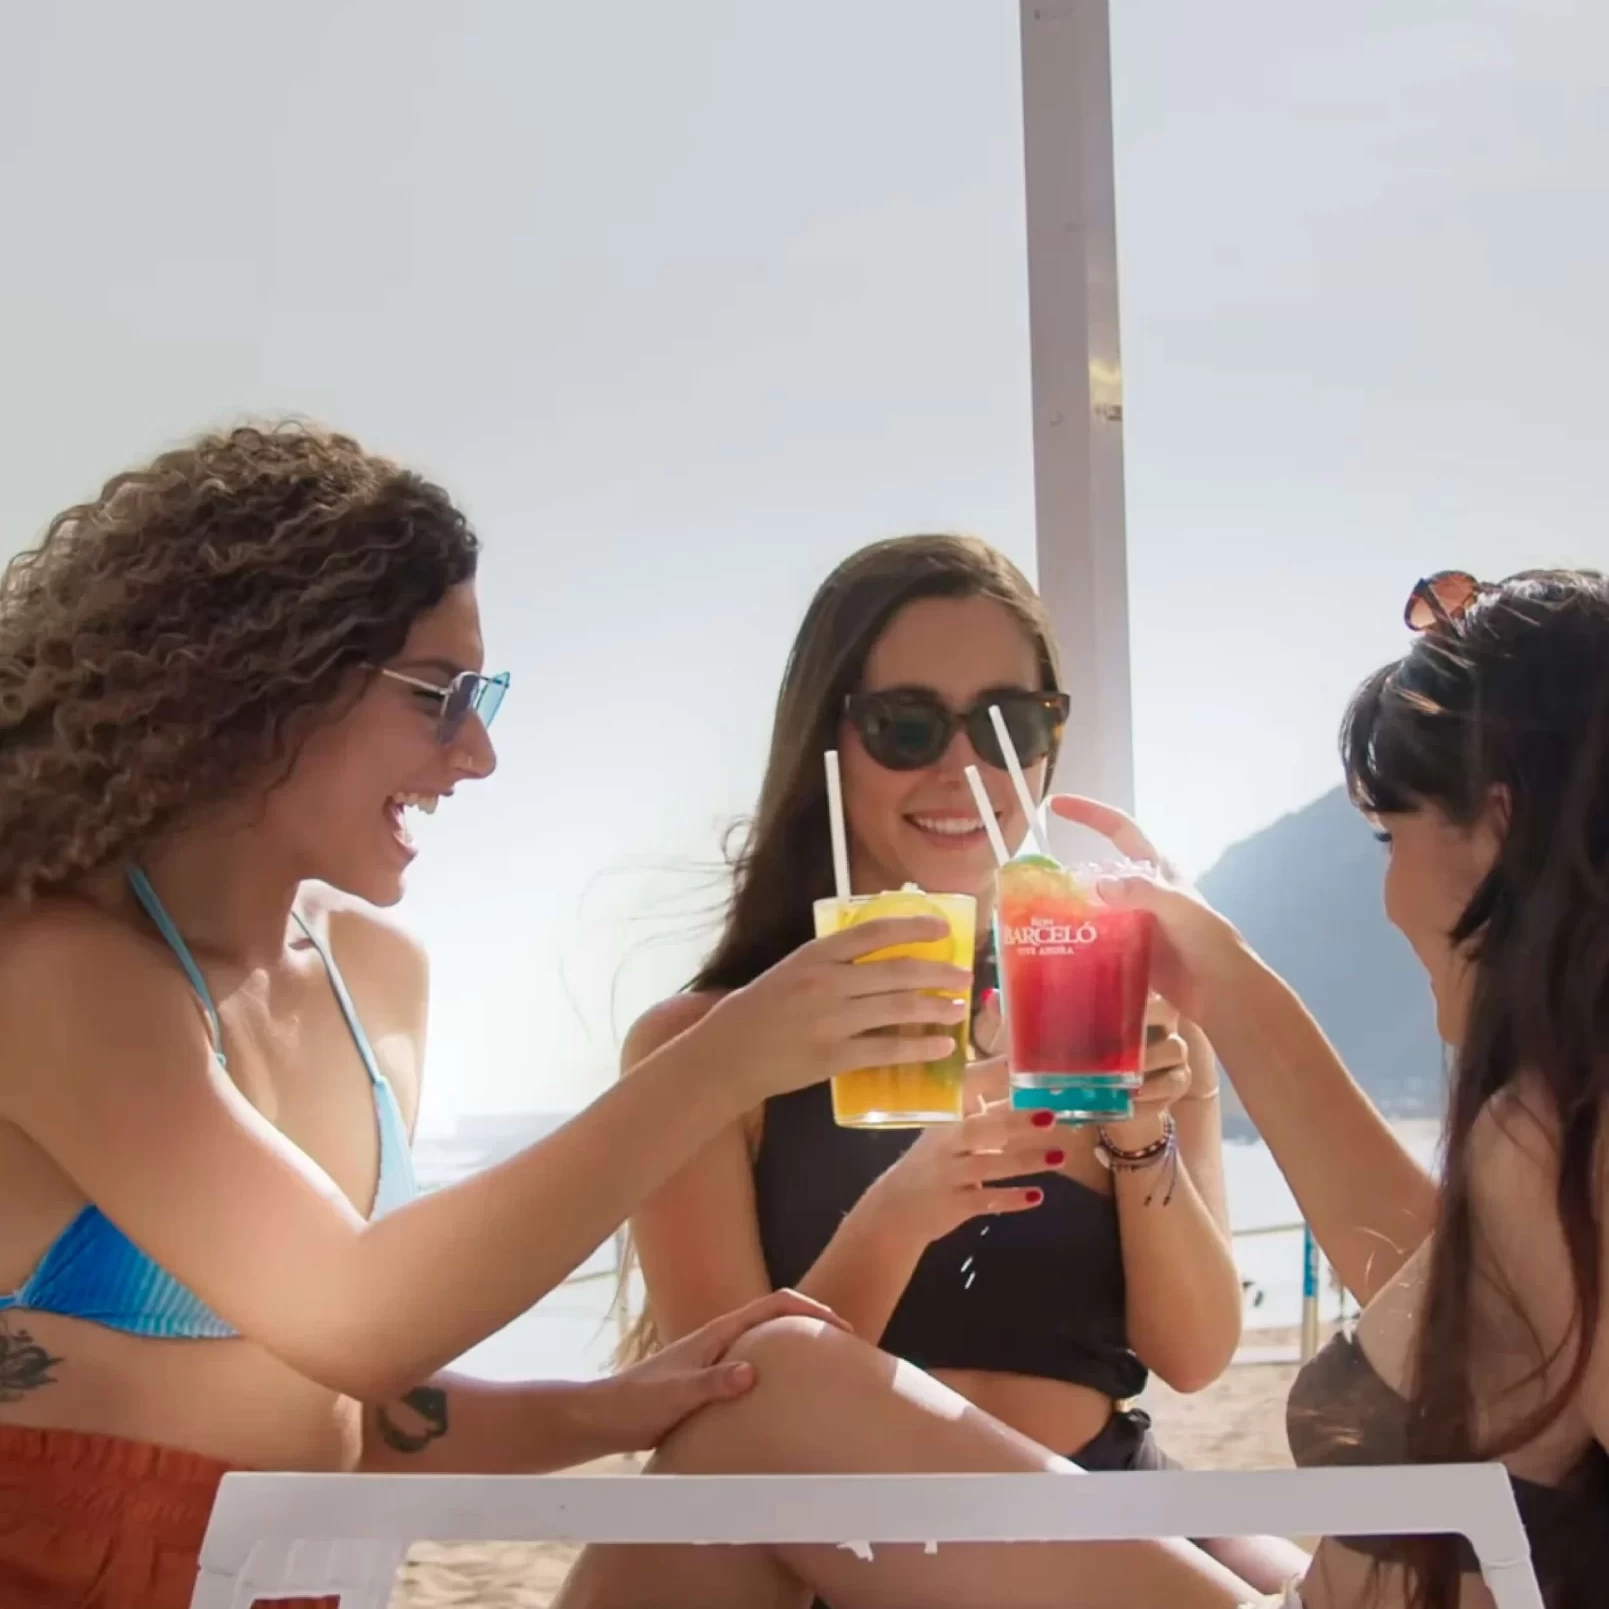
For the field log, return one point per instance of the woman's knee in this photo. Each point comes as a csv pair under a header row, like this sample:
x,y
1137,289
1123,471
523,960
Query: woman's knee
x,y
795,1347
797,1361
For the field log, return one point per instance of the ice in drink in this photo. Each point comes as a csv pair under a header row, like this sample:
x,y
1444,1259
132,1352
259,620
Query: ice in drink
x,y
903,1095
1074,977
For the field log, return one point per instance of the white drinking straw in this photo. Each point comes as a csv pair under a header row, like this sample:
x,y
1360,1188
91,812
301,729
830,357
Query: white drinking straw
x,y
835,818
980,795
1029,809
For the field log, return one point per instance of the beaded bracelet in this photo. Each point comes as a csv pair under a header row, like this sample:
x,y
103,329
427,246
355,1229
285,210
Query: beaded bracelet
x,y
1161,1152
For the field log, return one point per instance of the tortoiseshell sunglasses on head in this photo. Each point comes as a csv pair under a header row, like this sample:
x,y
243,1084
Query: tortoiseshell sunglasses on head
x,y
1443,599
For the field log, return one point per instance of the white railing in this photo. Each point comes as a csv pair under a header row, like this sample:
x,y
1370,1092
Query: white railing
x,y
284,1535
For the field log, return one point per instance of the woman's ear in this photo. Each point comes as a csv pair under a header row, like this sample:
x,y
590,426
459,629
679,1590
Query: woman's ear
x,y
1489,831
1500,807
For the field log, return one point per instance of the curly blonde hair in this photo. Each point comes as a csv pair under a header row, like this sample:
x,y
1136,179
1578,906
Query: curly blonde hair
x,y
157,642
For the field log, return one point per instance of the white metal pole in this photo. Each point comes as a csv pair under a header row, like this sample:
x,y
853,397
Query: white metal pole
x,y
1078,381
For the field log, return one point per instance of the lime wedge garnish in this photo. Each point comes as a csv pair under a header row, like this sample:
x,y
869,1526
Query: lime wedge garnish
x,y
1046,861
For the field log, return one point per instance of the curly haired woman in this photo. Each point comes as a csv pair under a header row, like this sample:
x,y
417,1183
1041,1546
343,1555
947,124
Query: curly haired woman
x,y
223,684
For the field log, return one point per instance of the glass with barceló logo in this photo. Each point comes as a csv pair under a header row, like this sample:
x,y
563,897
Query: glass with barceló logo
x,y
1075,976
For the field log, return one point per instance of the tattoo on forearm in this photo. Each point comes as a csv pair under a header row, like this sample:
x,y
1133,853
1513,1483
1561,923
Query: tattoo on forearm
x,y
426,1420
24,1365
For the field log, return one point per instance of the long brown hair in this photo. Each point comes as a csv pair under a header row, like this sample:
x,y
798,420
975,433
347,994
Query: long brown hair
x,y
1512,702
783,862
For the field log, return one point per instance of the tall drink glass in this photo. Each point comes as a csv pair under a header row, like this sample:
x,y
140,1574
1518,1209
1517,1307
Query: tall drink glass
x,y
1074,978
906,1095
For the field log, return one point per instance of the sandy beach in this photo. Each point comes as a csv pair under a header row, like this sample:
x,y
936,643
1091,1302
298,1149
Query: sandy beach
x,y
1239,1423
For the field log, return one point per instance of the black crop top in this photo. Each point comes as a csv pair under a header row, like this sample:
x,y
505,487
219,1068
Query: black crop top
x,y
1036,1293
1341,1412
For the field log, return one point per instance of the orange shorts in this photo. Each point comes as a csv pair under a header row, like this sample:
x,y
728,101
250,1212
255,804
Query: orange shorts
x,y
95,1522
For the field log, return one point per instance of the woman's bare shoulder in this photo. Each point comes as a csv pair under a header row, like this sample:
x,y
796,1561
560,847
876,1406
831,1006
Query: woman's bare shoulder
x,y
1514,1147
74,974
58,946
1513,1159
661,1023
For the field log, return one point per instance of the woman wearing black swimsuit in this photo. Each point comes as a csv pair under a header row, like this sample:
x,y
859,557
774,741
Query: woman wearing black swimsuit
x,y
1045,1301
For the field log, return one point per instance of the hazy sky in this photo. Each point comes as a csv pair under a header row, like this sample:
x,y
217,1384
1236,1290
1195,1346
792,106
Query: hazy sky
x,y
686,302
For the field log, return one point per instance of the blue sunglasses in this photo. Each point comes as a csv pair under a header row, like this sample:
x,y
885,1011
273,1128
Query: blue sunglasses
x,y
468,693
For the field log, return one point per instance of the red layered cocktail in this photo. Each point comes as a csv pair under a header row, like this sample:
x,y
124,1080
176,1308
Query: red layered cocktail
x,y
1075,976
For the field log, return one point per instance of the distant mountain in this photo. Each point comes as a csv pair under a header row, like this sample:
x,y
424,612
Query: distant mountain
x,y
1306,894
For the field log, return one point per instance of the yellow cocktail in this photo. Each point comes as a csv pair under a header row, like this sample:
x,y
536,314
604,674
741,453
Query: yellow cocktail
x,y
906,1095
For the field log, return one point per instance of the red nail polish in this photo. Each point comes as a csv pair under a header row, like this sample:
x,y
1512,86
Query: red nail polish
x,y
1034,1197
1043,1119
1054,1159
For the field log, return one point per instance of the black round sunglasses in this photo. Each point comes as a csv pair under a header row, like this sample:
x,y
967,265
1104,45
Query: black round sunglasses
x,y
906,728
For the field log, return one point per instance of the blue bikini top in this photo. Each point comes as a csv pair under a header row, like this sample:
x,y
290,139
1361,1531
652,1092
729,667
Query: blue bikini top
x,y
94,1271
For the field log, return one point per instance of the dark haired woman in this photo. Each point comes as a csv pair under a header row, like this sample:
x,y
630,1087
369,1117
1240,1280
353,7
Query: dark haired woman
x,y
1483,759
224,684
1045,1301
1483,756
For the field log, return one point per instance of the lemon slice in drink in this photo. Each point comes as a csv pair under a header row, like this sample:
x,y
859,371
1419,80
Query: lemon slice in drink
x,y
907,902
